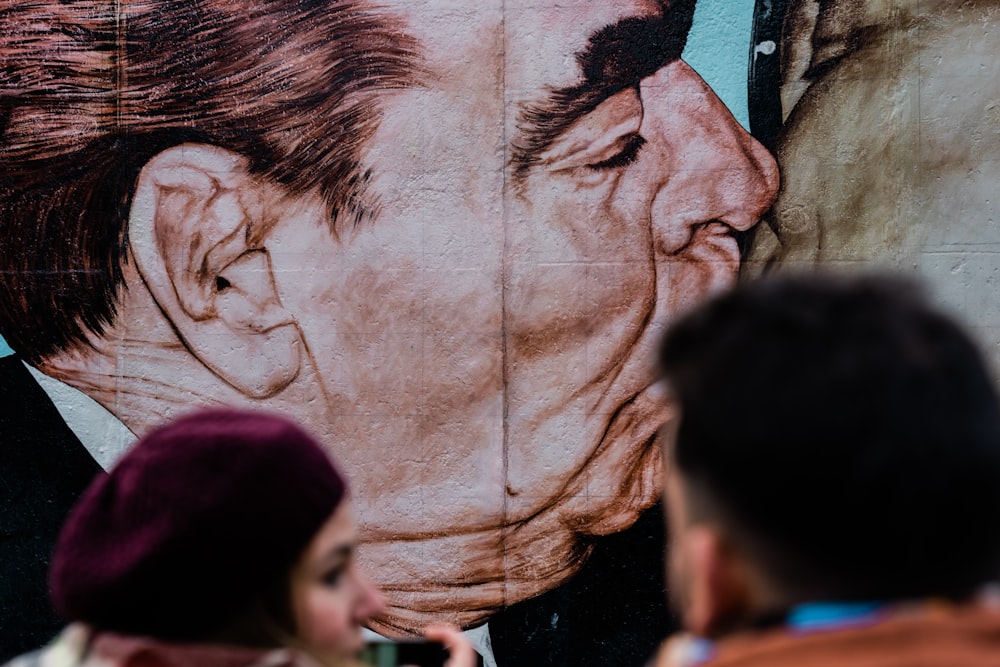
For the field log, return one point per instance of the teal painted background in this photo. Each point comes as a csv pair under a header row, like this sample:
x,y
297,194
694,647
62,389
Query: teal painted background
x,y
717,48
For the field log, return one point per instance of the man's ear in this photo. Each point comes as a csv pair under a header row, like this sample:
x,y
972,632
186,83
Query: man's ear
x,y
196,236
718,593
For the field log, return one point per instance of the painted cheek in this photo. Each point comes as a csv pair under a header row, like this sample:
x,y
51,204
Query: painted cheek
x,y
580,255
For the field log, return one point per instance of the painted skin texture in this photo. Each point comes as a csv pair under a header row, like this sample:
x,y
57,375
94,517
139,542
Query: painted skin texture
x,y
887,151
477,353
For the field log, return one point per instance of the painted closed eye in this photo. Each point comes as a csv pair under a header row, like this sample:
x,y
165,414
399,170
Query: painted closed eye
x,y
601,143
628,154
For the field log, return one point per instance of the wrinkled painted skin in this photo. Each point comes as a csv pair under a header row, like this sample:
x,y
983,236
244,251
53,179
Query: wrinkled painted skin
x,y
888,156
478,356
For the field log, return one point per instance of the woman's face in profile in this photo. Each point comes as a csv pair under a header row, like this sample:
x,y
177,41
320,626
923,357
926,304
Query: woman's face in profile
x,y
330,597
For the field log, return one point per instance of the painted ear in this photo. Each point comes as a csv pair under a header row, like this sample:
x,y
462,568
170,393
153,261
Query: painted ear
x,y
196,236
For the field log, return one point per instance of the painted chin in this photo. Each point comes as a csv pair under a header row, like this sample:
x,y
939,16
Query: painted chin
x,y
621,478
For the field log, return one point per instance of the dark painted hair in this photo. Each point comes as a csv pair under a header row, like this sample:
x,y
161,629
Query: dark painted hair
x,y
847,430
91,90
619,56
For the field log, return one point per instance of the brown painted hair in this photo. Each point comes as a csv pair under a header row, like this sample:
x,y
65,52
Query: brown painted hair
x,y
90,90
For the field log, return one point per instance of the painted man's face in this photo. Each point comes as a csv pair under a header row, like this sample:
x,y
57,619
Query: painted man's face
x,y
888,156
484,342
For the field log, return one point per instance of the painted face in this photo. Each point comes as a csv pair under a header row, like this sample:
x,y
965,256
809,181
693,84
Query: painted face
x,y
330,597
558,186
910,187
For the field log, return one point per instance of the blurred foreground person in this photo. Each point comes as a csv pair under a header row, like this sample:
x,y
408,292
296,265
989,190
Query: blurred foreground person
x,y
833,480
223,539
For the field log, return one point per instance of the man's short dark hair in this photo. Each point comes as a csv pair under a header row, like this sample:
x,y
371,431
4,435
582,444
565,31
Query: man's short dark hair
x,y
90,90
847,430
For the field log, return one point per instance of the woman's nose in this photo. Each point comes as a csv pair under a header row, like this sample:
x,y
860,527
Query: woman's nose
x,y
370,601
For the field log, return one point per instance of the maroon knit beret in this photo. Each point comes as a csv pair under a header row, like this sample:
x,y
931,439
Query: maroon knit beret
x,y
193,524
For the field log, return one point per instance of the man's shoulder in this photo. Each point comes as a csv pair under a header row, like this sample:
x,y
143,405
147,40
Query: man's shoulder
x,y
43,470
14,377
36,445
932,634
23,403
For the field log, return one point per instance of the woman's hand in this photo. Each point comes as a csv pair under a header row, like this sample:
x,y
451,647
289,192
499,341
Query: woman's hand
x,y
460,651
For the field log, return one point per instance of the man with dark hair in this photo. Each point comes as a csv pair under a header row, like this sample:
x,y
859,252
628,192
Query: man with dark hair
x,y
834,479
441,243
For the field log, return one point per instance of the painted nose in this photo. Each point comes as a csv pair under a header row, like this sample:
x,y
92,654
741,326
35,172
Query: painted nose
x,y
709,169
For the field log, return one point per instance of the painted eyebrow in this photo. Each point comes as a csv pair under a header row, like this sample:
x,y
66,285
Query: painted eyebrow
x,y
616,57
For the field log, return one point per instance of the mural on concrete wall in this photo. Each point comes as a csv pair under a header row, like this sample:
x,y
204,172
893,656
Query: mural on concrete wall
x,y
444,236
889,154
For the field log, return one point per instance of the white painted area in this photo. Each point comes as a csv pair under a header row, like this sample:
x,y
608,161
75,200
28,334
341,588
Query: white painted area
x,y
480,638
104,436
766,48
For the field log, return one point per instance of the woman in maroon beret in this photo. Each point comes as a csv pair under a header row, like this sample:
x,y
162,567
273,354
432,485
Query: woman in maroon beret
x,y
223,539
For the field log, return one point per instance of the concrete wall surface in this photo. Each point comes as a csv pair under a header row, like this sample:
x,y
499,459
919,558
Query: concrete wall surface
x,y
445,236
